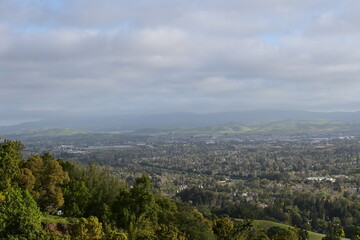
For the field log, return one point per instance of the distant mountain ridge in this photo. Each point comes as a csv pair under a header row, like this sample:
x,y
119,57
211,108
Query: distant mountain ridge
x,y
179,120
274,128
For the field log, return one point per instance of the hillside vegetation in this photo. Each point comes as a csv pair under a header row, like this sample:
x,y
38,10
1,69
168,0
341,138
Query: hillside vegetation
x,y
46,198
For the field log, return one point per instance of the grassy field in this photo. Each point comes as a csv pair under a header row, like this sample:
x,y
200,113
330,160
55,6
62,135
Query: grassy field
x,y
268,224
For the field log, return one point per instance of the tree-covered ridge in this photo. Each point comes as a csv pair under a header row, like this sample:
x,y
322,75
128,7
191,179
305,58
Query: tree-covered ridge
x,y
99,205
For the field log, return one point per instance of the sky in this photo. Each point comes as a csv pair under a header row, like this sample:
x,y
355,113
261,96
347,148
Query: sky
x,y
139,56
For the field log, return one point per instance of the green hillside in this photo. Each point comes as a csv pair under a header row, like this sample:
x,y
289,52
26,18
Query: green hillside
x,y
268,224
52,132
280,128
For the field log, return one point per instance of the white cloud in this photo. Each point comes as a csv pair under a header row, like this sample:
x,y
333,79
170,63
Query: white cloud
x,y
168,55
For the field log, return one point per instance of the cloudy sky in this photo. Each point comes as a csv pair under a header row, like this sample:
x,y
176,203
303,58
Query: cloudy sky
x,y
156,56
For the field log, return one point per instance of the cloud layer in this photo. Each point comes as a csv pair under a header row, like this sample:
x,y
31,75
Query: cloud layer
x,y
111,56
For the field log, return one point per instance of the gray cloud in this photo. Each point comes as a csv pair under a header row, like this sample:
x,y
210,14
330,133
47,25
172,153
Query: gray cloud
x,y
159,56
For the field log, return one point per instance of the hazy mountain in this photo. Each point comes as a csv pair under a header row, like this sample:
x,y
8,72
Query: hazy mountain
x,y
178,120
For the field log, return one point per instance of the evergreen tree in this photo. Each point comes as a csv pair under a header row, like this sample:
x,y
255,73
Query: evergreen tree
x,y
10,160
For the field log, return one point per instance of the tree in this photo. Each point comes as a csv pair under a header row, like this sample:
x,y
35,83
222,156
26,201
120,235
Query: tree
x,y
49,177
286,234
334,232
272,231
141,228
103,186
223,228
20,218
87,229
246,230
169,232
10,160
26,179
76,197
131,204
116,235
193,224
352,232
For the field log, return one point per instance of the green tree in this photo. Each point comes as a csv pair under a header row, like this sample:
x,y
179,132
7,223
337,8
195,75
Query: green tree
x,y
103,186
167,210
334,232
26,179
193,224
352,232
49,178
20,218
287,234
272,231
76,197
223,228
246,230
116,235
131,204
141,228
87,229
10,160
169,232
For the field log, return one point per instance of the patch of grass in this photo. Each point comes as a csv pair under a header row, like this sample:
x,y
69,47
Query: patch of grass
x,y
317,236
52,219
268,224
